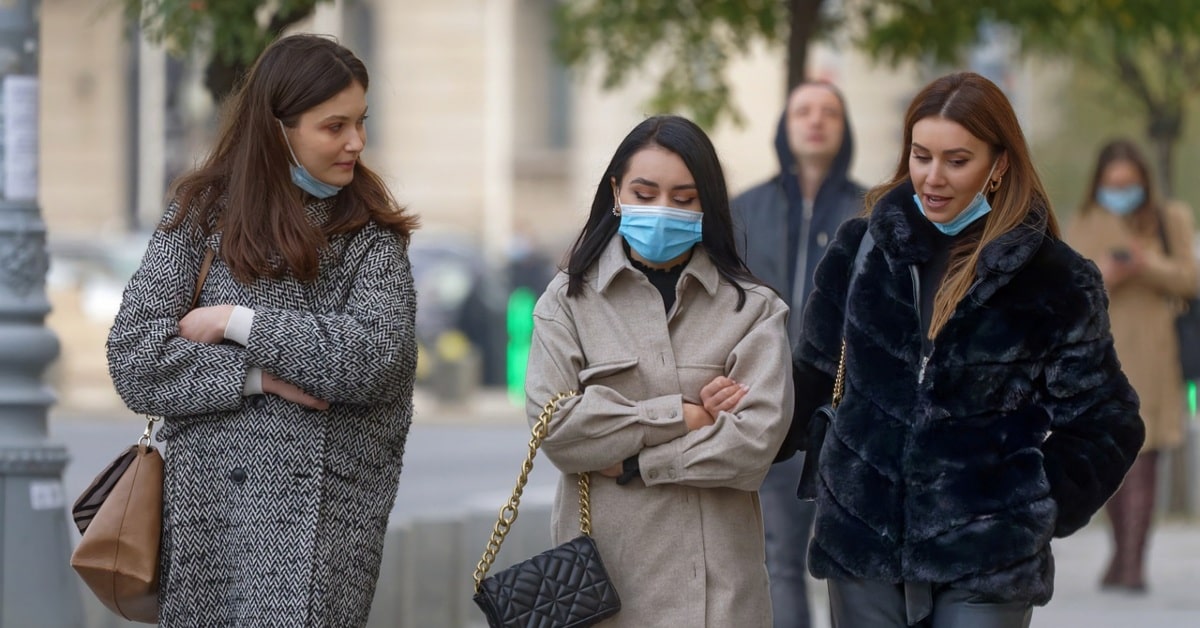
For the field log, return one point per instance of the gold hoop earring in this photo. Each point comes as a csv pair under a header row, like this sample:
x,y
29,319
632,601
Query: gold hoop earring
x,y
995,184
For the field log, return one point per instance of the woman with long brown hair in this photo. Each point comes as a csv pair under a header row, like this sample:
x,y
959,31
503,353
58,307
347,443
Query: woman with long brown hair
x,y
983,410
286,387
1143,247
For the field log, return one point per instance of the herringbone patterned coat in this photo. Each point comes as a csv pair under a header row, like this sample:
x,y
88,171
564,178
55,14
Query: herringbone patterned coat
x,y
274,515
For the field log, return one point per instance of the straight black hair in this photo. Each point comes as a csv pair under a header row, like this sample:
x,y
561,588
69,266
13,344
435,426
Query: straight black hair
x,y
684,138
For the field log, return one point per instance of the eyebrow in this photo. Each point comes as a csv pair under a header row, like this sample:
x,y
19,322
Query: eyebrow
x,y
945,152
338,116
686,186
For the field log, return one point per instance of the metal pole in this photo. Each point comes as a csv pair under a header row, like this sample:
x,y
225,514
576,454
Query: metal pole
x,y
37,586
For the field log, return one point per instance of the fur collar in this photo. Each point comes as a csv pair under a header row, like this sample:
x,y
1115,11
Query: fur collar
x,y
907,237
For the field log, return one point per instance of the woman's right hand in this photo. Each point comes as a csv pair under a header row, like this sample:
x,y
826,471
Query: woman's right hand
x,y
272,385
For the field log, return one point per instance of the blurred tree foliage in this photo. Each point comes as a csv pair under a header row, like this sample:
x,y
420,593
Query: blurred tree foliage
x,y
695,40
230,32
1146,51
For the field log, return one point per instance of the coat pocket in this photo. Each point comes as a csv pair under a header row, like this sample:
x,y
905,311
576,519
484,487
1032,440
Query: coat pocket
x,y
693,377
606,368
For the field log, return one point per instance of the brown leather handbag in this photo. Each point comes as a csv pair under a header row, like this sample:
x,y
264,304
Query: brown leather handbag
x,y
120,517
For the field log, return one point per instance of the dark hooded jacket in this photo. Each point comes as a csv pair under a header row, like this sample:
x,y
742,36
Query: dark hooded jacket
x,y
1018,428
770,221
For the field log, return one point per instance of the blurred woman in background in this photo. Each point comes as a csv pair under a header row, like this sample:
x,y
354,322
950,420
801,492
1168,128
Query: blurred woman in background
x,y
1143,246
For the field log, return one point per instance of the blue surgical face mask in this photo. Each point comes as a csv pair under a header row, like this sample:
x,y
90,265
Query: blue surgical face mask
x,y
978,208
302,178
660,234
1121,201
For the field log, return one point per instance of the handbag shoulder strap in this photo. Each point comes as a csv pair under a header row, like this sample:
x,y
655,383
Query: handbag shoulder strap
x,y
864,247
209,254
508,513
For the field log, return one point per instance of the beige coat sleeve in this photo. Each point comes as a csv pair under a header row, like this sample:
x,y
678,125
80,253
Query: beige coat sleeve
x,y
1174,273
738,449
599,427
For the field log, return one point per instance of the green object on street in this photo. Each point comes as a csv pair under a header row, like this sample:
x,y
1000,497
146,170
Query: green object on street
x,y
520,335
1191,399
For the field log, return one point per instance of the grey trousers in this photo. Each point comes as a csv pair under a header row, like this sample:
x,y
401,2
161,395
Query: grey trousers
x,y
866,604
787,523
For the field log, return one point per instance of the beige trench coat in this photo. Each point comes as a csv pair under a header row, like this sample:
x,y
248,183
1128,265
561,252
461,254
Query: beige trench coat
x,y
684,545
1142,311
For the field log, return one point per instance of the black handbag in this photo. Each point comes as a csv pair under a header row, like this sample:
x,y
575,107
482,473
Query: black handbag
x,y
818,425
1187,323
562,587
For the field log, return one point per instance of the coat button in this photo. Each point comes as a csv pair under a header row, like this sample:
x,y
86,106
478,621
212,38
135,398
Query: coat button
x,y
238,475
671,414
653,474
258,401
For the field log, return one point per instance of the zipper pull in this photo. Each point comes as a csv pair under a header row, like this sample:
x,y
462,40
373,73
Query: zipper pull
x,y
921,373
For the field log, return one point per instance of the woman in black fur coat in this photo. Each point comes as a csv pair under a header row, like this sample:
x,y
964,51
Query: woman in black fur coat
x,y
984,410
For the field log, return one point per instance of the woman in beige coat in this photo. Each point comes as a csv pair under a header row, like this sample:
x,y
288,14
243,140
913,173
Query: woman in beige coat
x,y
681,361
1122,226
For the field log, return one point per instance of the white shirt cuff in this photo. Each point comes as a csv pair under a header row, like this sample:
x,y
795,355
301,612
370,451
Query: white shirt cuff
x,y
253,385
238,327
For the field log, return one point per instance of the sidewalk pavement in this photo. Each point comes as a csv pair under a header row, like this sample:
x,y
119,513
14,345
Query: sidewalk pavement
x,y
1173,575
1173,572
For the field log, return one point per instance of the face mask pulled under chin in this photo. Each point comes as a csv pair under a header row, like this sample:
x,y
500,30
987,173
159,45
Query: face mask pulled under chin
x,y
304,179
978,208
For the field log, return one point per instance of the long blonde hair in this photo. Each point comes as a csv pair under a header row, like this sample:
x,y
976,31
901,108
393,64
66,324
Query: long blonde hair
x,y
982,109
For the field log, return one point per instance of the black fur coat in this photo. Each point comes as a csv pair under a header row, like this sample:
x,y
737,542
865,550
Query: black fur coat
x,y
1021,428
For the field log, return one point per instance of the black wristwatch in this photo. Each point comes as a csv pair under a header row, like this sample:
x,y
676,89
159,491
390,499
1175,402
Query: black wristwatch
x,y
629,470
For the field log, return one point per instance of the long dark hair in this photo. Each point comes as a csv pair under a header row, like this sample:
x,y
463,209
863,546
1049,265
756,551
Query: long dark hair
x,y
983,110
682,137
1145,219
244,189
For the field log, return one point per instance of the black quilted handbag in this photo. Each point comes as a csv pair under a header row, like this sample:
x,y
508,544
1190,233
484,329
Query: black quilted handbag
x,y
817,427
563,587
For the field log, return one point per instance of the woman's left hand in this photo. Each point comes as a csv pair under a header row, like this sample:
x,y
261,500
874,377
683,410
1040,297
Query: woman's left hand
x,y
722,394
206,324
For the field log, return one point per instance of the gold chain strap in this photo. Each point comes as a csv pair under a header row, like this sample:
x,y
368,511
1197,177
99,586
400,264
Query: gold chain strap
x,y
508,513
839,382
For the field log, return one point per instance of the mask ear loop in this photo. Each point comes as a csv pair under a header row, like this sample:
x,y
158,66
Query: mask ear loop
x,y
992,185
287,142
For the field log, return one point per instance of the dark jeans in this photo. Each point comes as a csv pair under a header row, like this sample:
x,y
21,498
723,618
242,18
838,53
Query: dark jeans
x,y
867,604
787,522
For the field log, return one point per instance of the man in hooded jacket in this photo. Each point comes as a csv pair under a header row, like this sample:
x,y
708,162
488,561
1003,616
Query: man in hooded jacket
x,y
784,225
